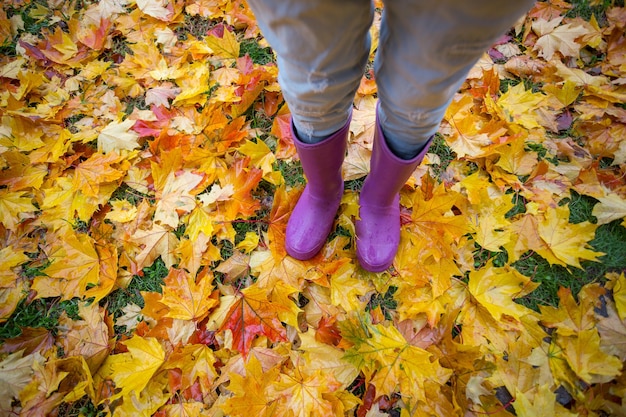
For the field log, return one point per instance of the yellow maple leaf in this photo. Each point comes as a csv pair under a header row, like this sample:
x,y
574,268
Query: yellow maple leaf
x,y
54,146
566,93
519,106
249,243
570,317
388,360
305,393
467,141
194,85
107,277
117,137
58,380
75,264
10,257
261,156
585,357
492,228
610,207
184,409
96,170
565,243
495,289
612,329
164,72
363,121
155,242
63,47
123,211
21,174
434,225
542,402
579,77
15,206
11,296
243,179
193,254
20,133
327,358
144,403
516,159
200,221
226,46
619,294
357,163
252,395
197,363
186,298
131,371
347,290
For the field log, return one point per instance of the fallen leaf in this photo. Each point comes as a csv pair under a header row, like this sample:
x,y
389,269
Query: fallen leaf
x,y
253,315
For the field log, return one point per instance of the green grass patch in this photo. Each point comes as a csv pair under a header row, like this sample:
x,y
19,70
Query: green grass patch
x,y
610,239
507,83
256,52
355,185
542,152
226,248
584,9
292,172
446,155
258,119
580,207
606,162
339,231
194,25
133,103
152,281
117,52
482,256
8,49
35,15
385,301
81,408
38,313
255,224
529,84
35,268
519,205
550,278
134,197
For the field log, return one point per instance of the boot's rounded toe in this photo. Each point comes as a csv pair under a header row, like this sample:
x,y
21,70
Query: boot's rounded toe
x,y
373,264
302,250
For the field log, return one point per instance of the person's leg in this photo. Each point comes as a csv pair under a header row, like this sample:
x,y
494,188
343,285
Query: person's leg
x,y
322,47
425,51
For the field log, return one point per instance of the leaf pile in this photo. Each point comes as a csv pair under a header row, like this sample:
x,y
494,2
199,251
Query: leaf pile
x,y
147,175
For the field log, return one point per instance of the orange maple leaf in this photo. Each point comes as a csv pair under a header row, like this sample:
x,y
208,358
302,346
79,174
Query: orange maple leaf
x,y
253,315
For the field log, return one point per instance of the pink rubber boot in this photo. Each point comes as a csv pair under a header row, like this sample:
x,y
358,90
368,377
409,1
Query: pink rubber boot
x,y
312,218
378,229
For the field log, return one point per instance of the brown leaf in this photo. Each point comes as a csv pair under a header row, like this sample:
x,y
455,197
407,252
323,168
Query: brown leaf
x,y
31,340
88,337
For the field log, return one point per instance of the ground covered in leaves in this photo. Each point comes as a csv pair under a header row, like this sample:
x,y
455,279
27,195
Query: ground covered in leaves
x,y
147,175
